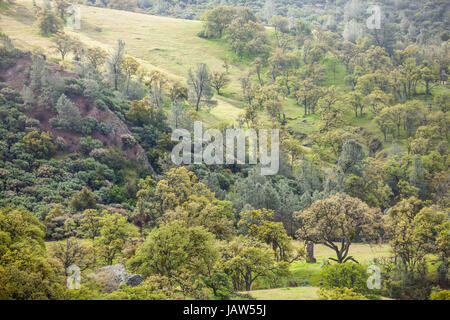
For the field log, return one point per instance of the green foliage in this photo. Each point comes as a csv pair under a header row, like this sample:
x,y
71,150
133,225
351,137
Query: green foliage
x,y
345,275
48,23
88,125
114,71
251,263
415,230
339,218
190,248
69,116
340,294
40,144
135,293
114,232
193,254
72,251
24,272
258,225
440,295
221,285
351,159
442,100
83,200
91,223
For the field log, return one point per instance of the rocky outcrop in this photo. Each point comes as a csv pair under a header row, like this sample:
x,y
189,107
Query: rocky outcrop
x,y
118,129
111,278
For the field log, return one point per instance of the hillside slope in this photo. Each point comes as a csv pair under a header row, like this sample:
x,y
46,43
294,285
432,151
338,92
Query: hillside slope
x,y
17,79
167,44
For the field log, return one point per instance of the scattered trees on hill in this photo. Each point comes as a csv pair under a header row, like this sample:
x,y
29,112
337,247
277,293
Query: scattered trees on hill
x,y
40,144
240,26
229,229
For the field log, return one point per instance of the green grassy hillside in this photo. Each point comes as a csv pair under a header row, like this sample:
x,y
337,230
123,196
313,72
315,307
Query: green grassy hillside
x,y
166,44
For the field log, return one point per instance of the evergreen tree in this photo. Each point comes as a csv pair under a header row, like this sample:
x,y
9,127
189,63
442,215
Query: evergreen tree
x,y
69,116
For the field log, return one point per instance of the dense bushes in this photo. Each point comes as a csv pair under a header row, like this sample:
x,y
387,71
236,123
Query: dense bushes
x,y
440,295
69,116
340,294
346,275
24,272
40,144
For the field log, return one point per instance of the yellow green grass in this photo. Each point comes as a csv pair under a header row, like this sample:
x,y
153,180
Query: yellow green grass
x,y
297,293
309,273
173,47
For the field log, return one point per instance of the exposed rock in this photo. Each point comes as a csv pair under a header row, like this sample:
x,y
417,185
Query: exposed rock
x,y
134,280
111,278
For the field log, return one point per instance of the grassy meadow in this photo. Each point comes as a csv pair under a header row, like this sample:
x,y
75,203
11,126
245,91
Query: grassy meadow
x,y
308,274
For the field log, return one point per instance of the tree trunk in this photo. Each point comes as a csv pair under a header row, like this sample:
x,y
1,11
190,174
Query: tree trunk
x,y
310,252
306,107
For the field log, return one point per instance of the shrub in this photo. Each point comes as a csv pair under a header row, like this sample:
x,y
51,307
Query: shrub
x,y
87,144
73,87
91,89
40,144
83,200
100,104
128,141
60,143
221,285
104,128
88,125
340,294
440,295
345,275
